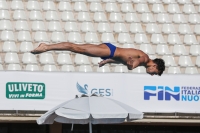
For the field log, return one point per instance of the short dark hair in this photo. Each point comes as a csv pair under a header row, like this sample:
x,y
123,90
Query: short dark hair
x,y
160,65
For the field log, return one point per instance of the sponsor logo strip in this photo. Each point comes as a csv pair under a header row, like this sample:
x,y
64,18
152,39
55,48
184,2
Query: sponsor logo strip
x,y
184,93
25,90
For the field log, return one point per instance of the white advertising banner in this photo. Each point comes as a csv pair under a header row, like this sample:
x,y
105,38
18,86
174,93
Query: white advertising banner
x,y
43,91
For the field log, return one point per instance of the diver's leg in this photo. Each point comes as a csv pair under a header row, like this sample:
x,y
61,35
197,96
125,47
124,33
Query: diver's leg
x,y
87,49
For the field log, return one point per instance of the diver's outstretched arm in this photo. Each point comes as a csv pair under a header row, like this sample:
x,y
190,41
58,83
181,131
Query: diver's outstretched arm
x,y
103,62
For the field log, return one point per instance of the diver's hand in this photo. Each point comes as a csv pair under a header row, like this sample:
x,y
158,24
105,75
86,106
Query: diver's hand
x,y
102,63
130,63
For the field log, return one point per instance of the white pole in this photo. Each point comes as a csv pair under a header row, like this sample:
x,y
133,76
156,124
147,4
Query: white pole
x,y
72,127
90,126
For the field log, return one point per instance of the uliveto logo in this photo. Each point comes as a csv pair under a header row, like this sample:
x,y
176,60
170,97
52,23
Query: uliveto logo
x,y
25,90
102,91
177,93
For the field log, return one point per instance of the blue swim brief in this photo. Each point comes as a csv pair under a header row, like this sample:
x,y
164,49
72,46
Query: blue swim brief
x,y
112,51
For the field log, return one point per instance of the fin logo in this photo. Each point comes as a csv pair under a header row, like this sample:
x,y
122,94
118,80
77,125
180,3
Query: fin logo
x,y
102,91
162,93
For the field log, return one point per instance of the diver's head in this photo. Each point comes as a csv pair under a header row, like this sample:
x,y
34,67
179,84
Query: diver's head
x,y
155,67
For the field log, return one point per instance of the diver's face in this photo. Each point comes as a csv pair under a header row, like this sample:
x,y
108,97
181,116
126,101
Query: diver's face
x,y
152,70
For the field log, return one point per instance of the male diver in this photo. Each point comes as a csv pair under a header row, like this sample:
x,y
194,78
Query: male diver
x,y
130,57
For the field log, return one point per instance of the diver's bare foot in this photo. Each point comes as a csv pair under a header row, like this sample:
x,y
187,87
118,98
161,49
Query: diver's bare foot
x,y
40,49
